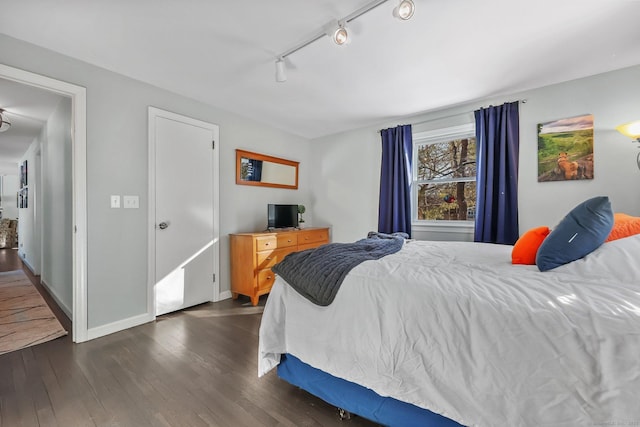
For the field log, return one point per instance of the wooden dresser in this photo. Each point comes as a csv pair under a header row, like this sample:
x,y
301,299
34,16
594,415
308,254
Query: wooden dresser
x,y
253,255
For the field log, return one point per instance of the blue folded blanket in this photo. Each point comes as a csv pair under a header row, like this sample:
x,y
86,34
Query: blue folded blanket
x,y
318,273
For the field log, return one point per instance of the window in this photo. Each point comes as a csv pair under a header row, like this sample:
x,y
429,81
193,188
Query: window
x,y
444,174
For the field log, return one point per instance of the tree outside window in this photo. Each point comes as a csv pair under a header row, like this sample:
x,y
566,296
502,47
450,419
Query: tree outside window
x,y
445,177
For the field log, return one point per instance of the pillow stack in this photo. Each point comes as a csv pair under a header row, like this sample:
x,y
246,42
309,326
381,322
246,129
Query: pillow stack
x,y
580,232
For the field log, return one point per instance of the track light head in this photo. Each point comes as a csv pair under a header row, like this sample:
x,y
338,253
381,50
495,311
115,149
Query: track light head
x,y
281,71
404,10
337,31
341,35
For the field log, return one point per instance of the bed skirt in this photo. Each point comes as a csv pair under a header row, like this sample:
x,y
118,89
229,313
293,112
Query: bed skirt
x,y
356,398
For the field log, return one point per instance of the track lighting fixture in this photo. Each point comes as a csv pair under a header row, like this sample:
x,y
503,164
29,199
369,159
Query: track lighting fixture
x,y
337,30
338,33
281,72
4,123
404,10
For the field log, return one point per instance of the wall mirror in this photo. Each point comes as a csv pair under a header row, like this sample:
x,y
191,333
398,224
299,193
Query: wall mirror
x,y
265,171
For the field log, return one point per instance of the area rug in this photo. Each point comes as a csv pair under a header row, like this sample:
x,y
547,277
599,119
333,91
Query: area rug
x,y
25,318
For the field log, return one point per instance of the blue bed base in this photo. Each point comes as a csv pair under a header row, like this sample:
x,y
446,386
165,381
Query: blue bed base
x,y
356,398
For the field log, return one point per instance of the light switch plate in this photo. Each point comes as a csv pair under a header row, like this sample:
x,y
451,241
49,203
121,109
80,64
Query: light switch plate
x,y
115,202
131,202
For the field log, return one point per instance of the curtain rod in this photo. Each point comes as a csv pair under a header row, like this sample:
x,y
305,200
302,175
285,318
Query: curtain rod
x,y
523,101
441,118
433,120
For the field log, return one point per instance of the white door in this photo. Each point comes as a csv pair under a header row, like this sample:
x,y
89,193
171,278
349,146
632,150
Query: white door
x,y
183,224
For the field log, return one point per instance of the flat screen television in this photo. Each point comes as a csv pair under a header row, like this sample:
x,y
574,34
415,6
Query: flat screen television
x,y
282,216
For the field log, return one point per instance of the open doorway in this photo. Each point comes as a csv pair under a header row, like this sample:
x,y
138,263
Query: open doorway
x,y
68,230
39,123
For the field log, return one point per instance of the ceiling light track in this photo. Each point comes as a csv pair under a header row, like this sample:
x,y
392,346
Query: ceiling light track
x,y
338,31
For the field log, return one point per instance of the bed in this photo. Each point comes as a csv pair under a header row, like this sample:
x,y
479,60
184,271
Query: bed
x,y
457,332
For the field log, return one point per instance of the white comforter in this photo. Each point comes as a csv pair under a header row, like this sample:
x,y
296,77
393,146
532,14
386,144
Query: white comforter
x,y
456,329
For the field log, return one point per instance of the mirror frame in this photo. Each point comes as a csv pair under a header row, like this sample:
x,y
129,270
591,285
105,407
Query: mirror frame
x,y
240,154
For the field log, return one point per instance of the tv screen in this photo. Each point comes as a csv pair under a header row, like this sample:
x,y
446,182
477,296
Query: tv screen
x,y
282,216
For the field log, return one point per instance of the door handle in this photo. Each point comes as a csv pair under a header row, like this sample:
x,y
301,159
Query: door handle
x,y
163,225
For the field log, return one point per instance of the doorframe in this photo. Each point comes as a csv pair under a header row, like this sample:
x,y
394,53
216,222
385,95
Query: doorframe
x,y
78,95
151,264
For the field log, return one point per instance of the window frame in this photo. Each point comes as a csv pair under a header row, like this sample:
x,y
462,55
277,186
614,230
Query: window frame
x,y
435,136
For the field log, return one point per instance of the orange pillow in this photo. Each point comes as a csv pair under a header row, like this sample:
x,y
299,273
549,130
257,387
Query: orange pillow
x,y
526,248
624,226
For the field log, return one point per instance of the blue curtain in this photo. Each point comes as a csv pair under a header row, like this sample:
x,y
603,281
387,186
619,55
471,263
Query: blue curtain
x,y
497,144
394,212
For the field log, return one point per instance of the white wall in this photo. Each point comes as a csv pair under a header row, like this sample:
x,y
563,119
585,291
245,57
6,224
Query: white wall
x,y
10,186
346,180
56,207
346,183
28,247
613,99
117,164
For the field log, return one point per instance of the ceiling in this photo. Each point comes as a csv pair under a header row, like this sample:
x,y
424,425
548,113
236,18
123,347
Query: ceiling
x,y
27,109
223,52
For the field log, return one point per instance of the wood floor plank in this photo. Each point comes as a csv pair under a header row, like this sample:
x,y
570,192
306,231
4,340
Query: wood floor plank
x,y
197,367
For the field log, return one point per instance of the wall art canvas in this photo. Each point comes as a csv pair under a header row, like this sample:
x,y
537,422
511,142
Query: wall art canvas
x,y
23,198
565,149
24,174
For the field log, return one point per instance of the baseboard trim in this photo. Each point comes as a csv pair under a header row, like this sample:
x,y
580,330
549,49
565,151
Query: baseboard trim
x,y
224,295
55,297
120,325
25,262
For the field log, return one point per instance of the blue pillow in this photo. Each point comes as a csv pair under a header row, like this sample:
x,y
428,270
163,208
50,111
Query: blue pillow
x,y
579,233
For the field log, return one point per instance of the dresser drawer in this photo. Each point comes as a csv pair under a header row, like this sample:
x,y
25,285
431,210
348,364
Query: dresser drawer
x,y
313,236
264,243
267,259
266,278
286,240
253,255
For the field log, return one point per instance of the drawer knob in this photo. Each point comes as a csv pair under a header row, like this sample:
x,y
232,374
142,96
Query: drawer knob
x,y
266,244
269,259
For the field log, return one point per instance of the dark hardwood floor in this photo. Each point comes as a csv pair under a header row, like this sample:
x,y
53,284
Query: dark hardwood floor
x,y
197,367
9,260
